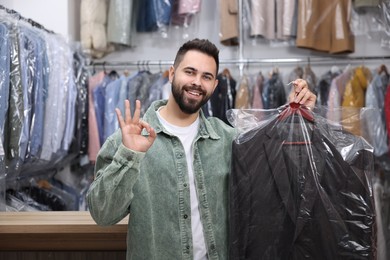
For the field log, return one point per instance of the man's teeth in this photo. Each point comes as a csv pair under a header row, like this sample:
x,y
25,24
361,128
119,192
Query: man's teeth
x,y
194,93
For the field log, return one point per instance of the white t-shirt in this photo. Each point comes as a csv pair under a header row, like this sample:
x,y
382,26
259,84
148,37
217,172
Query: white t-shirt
x,y
187,135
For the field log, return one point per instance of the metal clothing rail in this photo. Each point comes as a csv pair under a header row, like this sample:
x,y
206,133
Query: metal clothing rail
x,y
247,62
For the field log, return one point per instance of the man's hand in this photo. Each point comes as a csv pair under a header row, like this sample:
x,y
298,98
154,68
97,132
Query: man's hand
x,y
301,94
132,127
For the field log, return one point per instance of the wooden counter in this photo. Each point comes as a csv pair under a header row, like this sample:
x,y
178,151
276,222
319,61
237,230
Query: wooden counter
x,y
59,231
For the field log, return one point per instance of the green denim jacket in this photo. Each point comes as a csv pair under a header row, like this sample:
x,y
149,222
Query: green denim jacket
x,y
154,188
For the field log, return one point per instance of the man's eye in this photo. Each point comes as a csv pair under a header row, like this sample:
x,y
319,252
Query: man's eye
x,y
189,72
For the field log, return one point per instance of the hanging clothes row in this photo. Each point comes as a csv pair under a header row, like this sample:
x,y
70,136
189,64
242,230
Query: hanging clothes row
x,y
353,87
328,27
40,86
262,90
108,91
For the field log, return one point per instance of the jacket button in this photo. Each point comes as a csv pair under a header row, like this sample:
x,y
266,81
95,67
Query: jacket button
x,y
185,216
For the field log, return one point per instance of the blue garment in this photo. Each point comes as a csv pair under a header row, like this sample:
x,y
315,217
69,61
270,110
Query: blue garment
x,y
155,90
143,92
132,88
50,127
274,94
376,121
123,93
64,60
70,115
111,100
39,95
55,111
99,102
153,14
32,53
27,51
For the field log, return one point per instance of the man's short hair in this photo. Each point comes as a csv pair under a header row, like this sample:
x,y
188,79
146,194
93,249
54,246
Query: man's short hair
x,y
202,45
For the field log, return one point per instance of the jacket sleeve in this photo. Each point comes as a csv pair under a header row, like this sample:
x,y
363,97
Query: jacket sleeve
x,y
116,171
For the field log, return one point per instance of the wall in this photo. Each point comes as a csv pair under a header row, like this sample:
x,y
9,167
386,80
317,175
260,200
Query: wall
x,y
60,16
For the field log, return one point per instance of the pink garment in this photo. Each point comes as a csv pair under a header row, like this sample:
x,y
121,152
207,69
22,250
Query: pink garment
x,y
387,113
189,6
336,93
183,11
93,133
257,101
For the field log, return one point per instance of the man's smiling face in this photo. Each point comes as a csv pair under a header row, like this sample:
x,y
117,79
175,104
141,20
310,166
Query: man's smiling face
x,y
193,81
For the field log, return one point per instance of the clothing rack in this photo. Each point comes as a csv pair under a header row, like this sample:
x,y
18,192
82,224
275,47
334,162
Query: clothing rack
x,y
18,16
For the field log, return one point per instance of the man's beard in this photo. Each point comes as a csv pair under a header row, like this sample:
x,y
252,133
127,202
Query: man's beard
x,y
186,105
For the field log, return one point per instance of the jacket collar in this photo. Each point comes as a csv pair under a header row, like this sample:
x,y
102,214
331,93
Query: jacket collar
x,y
206,130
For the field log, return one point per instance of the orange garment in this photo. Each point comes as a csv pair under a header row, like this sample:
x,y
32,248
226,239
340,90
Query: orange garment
x,y
242,96
324,26
228,33
354,99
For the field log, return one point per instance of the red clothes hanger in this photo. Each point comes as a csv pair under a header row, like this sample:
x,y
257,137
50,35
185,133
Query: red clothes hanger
x,y
296,108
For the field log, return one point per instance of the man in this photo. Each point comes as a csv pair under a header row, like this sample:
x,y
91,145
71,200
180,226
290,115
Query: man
x,y
169,170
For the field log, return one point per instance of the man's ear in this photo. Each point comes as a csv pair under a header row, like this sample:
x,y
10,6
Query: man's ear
x,y
171,73
215,84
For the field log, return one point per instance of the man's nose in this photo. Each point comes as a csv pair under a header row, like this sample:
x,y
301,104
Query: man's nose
x,y
196,81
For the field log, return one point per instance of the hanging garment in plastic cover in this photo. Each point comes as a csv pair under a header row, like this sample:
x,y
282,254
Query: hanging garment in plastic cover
x,y
300,188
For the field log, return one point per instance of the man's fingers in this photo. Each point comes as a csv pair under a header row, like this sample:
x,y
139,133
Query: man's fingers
x,y
302,94
149,129
152,135
299,84
129,120
137,112
146,126
127,112
300,97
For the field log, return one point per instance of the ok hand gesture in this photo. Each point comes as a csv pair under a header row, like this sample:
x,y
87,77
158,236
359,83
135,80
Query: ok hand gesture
x,y
132,127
